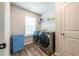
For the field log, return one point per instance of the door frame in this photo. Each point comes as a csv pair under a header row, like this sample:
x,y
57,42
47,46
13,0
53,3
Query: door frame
x,y
7,27
58,41
6,30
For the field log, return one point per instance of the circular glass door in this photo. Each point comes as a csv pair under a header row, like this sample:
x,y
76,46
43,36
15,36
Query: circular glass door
x,y
35,36
44,40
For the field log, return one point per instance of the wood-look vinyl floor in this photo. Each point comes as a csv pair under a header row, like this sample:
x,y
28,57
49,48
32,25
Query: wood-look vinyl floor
x,y
30,50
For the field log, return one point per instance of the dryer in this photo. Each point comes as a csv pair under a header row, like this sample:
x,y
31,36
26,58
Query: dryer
x,y
47,42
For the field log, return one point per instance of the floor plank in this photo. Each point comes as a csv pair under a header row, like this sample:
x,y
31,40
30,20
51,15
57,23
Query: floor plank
x,y
30,50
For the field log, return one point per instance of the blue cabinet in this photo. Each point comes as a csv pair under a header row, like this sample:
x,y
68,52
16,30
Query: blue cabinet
x,y
17,42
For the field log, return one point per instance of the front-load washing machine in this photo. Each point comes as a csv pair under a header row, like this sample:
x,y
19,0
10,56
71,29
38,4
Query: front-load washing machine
x,y
47,42
36,37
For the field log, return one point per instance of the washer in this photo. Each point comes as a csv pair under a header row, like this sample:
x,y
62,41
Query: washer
x,y
36,37
47,42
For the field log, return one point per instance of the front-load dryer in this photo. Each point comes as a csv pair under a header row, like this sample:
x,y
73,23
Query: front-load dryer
x,y
47,42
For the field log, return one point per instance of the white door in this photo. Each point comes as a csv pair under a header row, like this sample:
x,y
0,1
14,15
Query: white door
x,y
4,27
70,29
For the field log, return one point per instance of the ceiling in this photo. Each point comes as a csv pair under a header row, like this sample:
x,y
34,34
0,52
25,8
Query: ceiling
x,y
37,7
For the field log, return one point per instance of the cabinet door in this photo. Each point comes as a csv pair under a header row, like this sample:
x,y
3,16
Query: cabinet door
x,y
18,43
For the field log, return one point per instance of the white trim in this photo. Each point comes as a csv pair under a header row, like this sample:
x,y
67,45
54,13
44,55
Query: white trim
x,y
57,54
7,27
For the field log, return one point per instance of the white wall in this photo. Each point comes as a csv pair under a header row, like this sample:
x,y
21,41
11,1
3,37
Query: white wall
x,y
18,19
48,26
50,14
50,22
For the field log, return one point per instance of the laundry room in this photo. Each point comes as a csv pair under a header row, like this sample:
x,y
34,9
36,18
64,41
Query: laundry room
x,y
39,29
32,29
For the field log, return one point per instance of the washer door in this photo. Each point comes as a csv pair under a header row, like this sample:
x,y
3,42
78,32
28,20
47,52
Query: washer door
x,y
44,40
35,36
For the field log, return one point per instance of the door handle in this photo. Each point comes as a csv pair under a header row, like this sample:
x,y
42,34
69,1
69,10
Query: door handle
x,y
63,34
2,45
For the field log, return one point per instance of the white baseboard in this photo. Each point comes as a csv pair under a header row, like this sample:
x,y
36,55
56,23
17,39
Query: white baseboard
x,y
57,54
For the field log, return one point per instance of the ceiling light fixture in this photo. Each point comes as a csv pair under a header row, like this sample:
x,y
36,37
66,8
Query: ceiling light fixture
x,y
33,7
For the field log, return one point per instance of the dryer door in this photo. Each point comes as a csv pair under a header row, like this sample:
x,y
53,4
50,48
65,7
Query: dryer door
x,y
44,40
